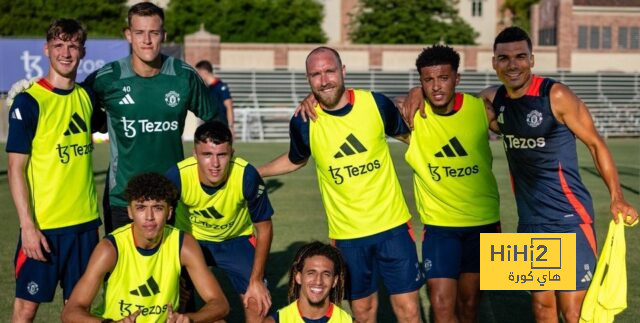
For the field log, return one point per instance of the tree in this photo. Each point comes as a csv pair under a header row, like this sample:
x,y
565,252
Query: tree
x,y
409,22
521,10
265,21
32,17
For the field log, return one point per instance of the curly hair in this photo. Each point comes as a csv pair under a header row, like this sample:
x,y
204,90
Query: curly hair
x,y
318,248
438,55
150,186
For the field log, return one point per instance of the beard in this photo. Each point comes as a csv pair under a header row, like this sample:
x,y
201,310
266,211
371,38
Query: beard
x,y
320,303
329,101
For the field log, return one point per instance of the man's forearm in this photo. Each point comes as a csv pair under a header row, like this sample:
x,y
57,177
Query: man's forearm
x,y
264,232
77,314
18,187
228,104
211,312
279,166
606,167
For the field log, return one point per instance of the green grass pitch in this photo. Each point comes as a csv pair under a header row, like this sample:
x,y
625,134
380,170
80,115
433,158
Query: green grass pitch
x,y
300,218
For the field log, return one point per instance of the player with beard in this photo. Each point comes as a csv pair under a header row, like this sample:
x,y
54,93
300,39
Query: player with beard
x,y
316,285
367,215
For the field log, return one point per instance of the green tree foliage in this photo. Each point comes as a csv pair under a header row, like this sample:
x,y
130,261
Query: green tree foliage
x,y
32,17
521,10
264,21
409,22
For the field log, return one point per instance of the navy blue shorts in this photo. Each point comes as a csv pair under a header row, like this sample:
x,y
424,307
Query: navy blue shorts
x,y
70,252
391,254
449,251
234,257
586,247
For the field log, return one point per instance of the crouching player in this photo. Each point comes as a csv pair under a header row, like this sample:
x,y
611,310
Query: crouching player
x,y
224,204
316,285
141,262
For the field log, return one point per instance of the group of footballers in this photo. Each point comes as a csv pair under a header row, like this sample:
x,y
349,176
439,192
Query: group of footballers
x,y
220,205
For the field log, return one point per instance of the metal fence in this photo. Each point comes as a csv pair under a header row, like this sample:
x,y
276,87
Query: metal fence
x,y
264,101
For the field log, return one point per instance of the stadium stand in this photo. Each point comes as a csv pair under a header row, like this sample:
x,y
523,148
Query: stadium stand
x,y
264,101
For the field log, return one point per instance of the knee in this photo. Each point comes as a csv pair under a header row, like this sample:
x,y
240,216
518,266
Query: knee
x,y
571,314
544,310
442,304
468,305
24,311
407,310
364,310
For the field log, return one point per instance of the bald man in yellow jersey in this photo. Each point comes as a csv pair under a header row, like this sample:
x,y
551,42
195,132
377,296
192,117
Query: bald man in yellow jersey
x,y
455,190
139,265
367,215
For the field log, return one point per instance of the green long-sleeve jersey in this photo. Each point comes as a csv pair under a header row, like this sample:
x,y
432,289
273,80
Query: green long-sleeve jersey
x,y
146,115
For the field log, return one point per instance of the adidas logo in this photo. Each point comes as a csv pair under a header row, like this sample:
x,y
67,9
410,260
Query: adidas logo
x,y
350,147
209,213
501,115
146,290
446,149
588,276
127,100
16,114
260,189
76,125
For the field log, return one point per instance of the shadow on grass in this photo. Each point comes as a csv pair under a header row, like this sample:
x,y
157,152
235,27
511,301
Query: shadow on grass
x,y
628,171
273,185
499,306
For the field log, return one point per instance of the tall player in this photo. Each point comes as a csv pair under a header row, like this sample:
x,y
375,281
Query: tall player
x,y
367,215
140,265
224,204
316,286
146,97
50,175
455,191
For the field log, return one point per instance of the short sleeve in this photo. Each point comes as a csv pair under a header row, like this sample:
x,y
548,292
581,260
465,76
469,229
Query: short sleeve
x,y
299,148
23,122
200,101
173,174
393,123
255,193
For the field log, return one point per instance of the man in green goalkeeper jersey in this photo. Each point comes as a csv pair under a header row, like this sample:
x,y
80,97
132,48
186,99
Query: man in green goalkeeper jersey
x,y
146,97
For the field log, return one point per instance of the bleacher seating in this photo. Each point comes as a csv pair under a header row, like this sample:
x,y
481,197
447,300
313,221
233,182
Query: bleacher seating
x,y
264,101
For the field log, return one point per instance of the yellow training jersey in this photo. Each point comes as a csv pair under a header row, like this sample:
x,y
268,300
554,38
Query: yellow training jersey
x,y
291,314
216,217
451,159
607,293
59,171
359,186
144,282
